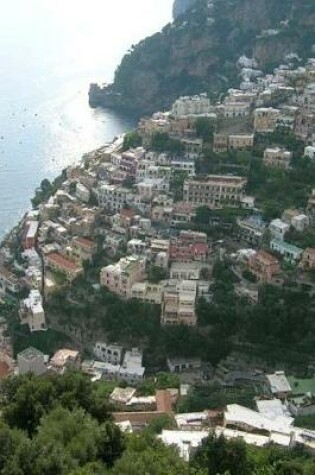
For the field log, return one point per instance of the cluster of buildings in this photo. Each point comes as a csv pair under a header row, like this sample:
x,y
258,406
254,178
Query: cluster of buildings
x,y
124,202
129,206
181,258
272,421
110,362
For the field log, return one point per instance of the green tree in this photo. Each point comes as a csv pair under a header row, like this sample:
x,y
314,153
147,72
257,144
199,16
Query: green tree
x,y
205,129
220,456
146,455
132,140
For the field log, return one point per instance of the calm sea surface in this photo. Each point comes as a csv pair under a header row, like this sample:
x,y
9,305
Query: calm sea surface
x,y
50,50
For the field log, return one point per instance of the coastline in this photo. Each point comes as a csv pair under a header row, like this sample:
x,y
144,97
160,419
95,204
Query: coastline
x,y
85,158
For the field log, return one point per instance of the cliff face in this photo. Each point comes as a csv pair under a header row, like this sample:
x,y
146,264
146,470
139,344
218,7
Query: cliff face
x,y
199,51
182,6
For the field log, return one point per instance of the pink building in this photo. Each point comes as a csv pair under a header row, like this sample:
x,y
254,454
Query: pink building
x,y
189,246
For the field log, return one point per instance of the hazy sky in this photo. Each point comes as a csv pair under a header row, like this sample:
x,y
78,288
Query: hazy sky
x,y
77,33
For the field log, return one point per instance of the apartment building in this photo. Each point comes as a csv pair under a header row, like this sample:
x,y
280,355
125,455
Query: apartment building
x,y
113,197
234,109
189,246
278,229
220,143
151,187
128,162
265,119
185,166
32,361
136,247
65,266
215,191
264,266
83,249
178,306
289,252
120,277
185,271
108,353
304,124
147,292
82,193
191,105
31,235
224,142
308,259
276,157
8,281
32,312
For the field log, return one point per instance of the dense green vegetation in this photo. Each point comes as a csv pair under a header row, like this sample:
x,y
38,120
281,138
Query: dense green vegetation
x,y
199,51
47,189
132,140
61,425
213,396
276,190
162,142
280,326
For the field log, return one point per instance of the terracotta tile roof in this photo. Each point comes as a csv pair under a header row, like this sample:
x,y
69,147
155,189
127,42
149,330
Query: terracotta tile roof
x,y
163,401
127,213
85,242
137,418
62,261
266,257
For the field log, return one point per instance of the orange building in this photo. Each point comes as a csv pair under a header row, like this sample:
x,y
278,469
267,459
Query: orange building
x,y
264,266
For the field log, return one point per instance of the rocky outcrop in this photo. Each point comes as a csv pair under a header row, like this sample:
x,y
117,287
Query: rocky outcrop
x,y
182,6
199,51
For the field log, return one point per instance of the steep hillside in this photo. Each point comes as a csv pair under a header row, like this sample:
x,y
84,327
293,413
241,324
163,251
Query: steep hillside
x,y
199,51
181,6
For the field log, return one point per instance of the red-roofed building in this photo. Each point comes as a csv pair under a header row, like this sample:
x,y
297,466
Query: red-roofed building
x,y
264,266
164,401
83,249
126,217
189,246
65,266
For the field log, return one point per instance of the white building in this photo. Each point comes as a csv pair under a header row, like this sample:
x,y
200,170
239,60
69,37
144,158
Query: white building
x,y
150,187
184,166
31,360
32,312
300,222
108,353
185,271
82,193
277,158
132,370
136,247
146,292
191,105
279,385
113,197
278,229
310,152
233,110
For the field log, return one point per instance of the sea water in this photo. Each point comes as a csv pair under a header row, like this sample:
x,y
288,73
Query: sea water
x,y
50,51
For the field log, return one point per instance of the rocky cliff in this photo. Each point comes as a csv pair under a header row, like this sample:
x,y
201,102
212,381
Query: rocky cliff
x,y
199,51
182,6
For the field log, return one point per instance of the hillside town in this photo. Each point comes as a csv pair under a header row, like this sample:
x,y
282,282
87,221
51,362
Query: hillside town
x,y
161,208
